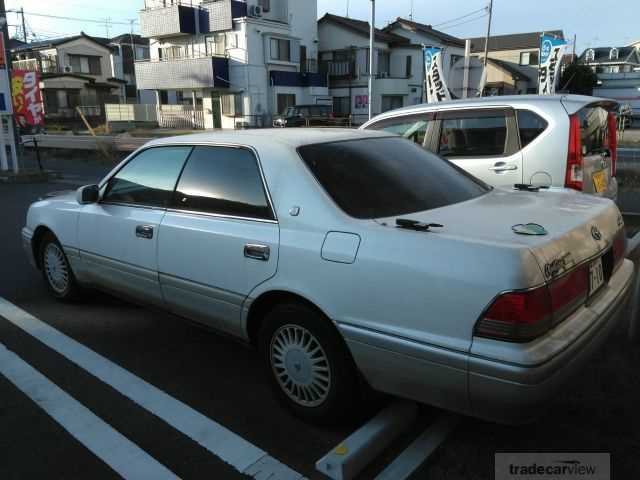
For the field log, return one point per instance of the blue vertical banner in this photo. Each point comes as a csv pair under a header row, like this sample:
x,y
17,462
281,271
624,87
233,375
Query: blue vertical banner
x,y
437,90
551,52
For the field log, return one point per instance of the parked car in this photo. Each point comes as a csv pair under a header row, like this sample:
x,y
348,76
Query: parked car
x,y
558,141
348,255
305,116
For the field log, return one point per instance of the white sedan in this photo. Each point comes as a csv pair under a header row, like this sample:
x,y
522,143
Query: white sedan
x,y
350,258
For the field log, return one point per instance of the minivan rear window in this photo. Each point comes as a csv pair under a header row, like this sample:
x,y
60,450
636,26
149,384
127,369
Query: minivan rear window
x,y
384,177
593,129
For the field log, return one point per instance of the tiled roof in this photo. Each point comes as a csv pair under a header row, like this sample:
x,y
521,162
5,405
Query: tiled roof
x,y
54,42
427,29
362,27
515,41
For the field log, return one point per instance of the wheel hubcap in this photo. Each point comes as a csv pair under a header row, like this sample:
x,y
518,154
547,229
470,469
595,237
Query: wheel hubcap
x,y
301,366
55,268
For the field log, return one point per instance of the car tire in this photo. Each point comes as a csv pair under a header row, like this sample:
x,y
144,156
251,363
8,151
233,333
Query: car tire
x,y
308,364
56,269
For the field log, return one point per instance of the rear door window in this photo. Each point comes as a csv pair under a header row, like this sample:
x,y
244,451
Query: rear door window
x,y
411,127
383,177
530,126
593,130
473,135
224,181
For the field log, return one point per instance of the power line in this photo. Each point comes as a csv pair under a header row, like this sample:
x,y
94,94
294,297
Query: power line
x,y
75,19
483,9
465,22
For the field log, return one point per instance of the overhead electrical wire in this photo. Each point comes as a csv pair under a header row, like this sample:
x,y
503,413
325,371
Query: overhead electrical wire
x,y
76,19
483,9
465,22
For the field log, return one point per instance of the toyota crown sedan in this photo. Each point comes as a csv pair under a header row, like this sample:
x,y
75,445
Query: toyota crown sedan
x,y
350,259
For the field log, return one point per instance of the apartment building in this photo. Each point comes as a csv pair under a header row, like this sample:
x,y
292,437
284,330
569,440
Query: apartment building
x,y
241,62
75,71
513,61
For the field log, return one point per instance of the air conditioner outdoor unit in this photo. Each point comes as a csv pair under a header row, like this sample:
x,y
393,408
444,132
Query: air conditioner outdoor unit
x,y
68,69
255,11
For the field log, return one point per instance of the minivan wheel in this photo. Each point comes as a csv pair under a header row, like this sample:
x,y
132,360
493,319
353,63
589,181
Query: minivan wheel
x,y
308,364
56,269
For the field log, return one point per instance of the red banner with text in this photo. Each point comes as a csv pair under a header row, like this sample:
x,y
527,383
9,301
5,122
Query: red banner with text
x,y
27,98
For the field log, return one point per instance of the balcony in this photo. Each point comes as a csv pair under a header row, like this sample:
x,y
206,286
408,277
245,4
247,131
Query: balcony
x,y
46,65
339,70
183,73
170,18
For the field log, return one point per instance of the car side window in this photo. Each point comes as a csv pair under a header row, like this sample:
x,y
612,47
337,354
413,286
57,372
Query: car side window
x,y
530,126
473,136
224,181
413,128
149,178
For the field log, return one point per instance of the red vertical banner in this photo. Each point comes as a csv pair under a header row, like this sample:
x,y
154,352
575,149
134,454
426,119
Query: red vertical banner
x,y
27,98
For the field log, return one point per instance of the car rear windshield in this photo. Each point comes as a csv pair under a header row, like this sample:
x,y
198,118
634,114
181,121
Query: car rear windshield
x,y
384,177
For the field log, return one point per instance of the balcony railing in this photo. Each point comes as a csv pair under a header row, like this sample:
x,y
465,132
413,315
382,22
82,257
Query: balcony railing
x,y
342,69
36,65
167,18
183,73
309,66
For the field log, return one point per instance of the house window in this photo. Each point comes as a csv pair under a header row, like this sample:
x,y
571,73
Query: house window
x,y
85,64
383,63
341,106
613,54
280,50
217,44
528,58
169,53
286,100
590,55
232,105
265,4
454,59
408,69
391,102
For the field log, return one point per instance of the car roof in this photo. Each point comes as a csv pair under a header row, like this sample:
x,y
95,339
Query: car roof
x,y
291,137
577,101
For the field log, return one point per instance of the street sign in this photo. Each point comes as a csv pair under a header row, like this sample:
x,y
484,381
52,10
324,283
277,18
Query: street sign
x,y
5,86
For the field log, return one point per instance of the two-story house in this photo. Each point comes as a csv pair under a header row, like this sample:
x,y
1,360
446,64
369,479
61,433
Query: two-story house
x,y
344,56
241,62
75,71
513,61
126,50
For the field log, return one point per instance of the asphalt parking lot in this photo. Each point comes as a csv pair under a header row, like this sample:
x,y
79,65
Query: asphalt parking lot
x,y
222,381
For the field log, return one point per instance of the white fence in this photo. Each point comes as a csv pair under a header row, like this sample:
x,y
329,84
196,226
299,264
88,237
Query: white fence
x,y
166,116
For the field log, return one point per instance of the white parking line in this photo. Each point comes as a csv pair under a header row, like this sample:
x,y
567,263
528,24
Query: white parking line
x,y
122,455
223,443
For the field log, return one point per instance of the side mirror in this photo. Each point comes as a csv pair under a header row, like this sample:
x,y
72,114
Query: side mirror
x,y
88,194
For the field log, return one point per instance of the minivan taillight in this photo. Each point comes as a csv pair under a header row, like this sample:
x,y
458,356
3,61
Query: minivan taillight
x,y
574,174
613,141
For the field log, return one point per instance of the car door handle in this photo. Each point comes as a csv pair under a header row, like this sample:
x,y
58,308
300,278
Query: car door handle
x,y
257,252
144,231
503,167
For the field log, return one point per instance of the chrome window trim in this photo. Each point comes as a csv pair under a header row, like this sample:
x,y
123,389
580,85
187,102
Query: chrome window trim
x,y
112,174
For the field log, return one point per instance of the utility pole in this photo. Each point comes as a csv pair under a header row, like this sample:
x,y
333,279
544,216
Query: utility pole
x,y
347,8
486,42
575,38
372,37
411,12
24,28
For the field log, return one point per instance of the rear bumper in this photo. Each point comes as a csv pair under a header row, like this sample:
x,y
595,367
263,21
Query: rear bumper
x,y
513,393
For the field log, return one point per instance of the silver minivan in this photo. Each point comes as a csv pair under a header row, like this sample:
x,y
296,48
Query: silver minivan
x,y
551,141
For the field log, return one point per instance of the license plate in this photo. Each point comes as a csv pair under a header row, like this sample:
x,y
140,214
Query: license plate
x,y
596,276
600,181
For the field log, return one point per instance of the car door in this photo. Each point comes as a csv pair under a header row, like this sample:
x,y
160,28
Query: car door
x,y
220,237
482,142
118,236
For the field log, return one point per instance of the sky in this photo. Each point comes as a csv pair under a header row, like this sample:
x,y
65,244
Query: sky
x,y
594,22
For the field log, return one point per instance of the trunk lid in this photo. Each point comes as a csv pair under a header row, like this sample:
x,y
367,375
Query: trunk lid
x,y
580,227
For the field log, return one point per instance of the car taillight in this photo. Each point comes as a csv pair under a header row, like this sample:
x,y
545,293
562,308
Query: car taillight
x,y
574,174
613,141
517,316
619,247
524,316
